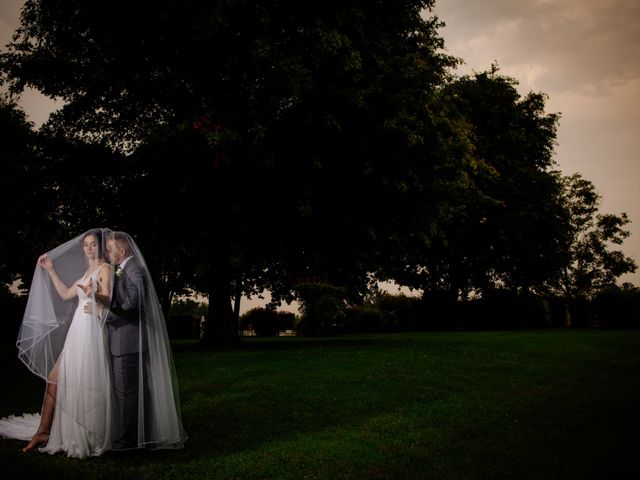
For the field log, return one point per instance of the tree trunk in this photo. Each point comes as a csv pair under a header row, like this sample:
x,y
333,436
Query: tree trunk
x,y
567,315
220,327
236,305
165,296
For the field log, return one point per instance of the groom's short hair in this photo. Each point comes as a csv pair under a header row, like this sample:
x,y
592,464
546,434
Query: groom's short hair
x,y
123,241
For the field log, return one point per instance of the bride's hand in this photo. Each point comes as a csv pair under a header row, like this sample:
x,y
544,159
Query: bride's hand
x,y
87,288
45,262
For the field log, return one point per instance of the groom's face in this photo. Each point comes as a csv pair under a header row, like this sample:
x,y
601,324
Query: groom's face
x,y
115,252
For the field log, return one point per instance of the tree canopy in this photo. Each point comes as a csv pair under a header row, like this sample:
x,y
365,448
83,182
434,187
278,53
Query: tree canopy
x,y
591,263
291,122
504,223
268,145
19,150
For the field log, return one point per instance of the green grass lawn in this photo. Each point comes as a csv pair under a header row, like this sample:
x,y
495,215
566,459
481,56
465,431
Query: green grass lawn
x,y
533,404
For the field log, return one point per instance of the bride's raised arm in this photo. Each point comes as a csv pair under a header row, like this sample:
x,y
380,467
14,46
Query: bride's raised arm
x,y
65,292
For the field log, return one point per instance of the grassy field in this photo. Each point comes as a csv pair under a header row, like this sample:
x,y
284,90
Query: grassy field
x,y
512,405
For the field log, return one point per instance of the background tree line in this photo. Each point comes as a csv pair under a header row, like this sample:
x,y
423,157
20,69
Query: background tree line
x,y
321,143
613,307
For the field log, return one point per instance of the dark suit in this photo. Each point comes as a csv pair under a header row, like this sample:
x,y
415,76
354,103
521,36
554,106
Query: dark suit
x,y
127,346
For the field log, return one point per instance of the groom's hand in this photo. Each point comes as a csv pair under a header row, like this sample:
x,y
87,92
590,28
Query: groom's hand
x,y
91,307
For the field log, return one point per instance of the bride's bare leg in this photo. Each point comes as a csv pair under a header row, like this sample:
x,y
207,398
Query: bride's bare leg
x,y
48,409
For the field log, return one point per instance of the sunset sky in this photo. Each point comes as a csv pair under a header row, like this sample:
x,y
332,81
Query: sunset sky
x,y
585,54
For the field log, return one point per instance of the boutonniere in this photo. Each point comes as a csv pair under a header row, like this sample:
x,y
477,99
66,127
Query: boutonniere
x,y
119,272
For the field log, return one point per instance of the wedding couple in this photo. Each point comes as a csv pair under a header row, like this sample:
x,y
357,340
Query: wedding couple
x,y
106,356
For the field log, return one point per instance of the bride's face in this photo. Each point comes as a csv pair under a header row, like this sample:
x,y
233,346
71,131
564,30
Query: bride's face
x,y
90,247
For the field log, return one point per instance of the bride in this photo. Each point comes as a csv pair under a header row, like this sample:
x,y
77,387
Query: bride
x,y
65,339
67,347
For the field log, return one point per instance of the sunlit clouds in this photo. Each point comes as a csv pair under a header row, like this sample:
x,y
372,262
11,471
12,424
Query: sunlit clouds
x,y
584,45
585,54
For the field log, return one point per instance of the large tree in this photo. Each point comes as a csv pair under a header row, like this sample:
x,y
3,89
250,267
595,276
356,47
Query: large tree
x,y
32,211
20,205
592,262
518,223
284,117
504,222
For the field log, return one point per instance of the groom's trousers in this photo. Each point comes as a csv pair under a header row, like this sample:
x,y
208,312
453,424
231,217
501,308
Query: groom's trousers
x,y
126,380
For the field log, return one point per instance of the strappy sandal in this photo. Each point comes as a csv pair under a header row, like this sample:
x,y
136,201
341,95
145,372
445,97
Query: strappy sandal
x,y
40,439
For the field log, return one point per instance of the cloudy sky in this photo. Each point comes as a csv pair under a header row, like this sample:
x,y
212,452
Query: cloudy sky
x,y
585,54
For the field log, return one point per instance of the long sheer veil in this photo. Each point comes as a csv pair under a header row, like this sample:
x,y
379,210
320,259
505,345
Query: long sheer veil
x,y
159,417
48,317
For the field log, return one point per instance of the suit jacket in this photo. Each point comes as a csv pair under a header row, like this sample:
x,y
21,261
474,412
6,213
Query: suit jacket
x,y
126,315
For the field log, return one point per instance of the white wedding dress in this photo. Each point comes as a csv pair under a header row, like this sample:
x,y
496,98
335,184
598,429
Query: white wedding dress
x,y
83,418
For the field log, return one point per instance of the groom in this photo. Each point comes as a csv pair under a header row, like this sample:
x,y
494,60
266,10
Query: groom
x,y
125,320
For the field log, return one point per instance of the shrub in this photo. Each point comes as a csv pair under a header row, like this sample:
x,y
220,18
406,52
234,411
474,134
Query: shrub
x,y
183,327
618,307
365,318
503,309
286,320
322,308
400,312
267,322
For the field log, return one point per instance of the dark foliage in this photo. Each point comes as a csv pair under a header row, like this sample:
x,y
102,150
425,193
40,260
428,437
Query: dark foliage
x,y
266,322
617,307
183,326
12,309
322,308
